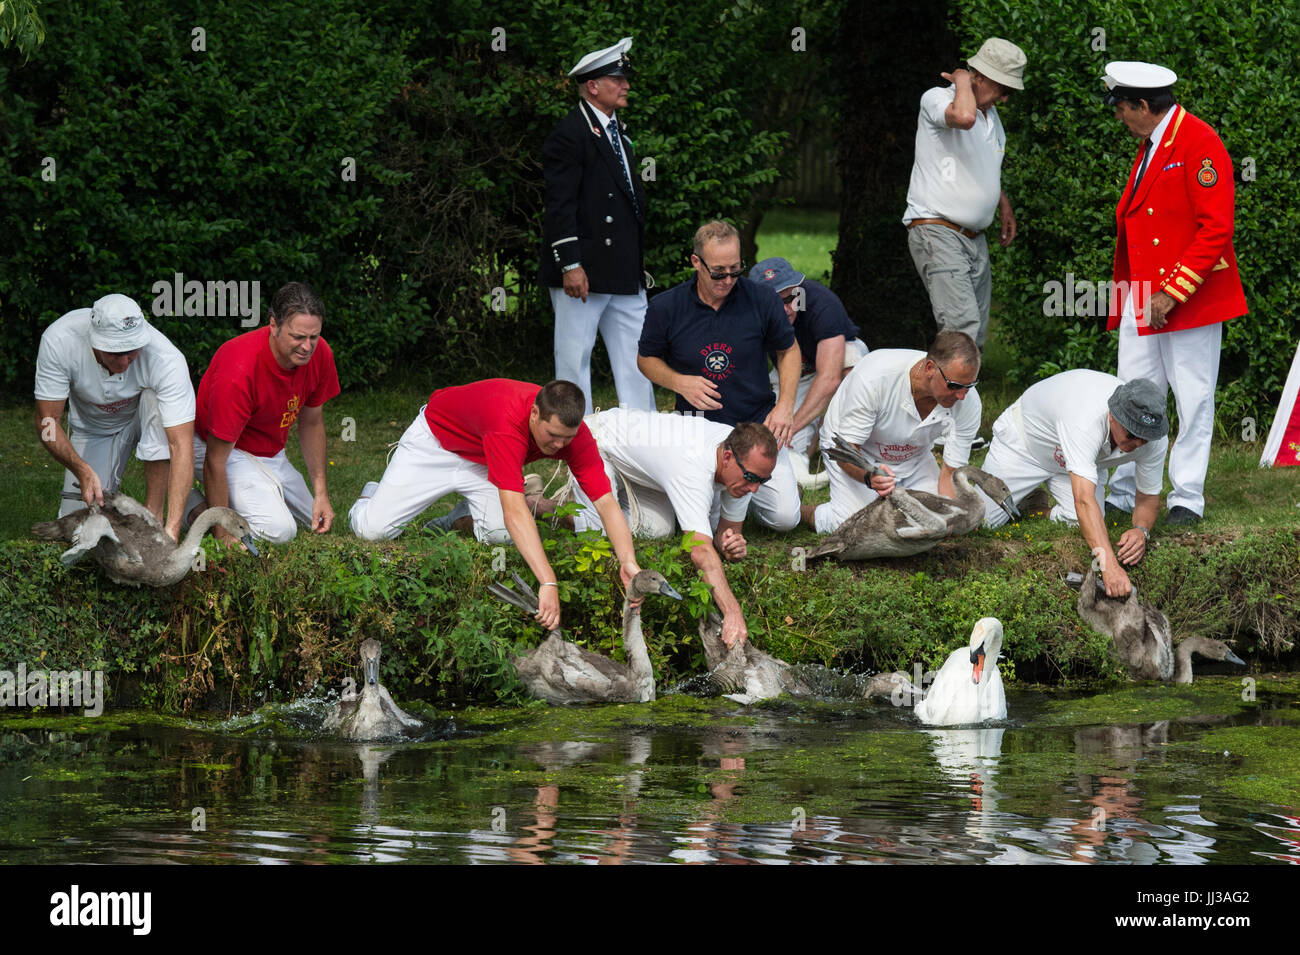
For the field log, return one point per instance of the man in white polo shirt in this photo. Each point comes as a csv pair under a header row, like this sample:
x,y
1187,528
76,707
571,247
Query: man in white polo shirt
x,y
893,405
125,386
687,470
1069,430
957,183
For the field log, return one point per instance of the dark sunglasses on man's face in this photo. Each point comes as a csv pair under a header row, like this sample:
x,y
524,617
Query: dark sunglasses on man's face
x,y
954,385
718,275
749,476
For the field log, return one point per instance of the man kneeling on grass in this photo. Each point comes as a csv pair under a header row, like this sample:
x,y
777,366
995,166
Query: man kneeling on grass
x,y
475,440
1070,430
679,469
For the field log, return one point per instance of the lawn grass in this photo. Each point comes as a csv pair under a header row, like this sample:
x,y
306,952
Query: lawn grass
x,y
803,237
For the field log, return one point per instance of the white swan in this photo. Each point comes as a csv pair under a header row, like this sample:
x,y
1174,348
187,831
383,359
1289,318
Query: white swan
x,y
968,687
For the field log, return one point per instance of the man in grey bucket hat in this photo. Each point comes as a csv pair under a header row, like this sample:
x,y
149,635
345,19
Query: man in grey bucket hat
x,y
1069,431
956,185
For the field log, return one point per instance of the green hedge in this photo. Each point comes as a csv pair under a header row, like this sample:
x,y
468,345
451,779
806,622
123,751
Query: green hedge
x,y
249,630
1068,158
228,163
224,164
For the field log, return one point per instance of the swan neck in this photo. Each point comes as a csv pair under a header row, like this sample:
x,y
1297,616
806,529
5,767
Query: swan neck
x,y
634,647
202,524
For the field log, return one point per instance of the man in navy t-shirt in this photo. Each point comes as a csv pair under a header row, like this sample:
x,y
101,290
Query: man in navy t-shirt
x,y
708,338
828,341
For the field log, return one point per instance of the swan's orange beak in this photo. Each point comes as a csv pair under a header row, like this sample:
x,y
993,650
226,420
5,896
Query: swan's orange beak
x,y
977,662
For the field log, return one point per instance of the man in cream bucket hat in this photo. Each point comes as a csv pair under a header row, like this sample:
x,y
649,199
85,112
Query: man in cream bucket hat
x,y
126,386
957,184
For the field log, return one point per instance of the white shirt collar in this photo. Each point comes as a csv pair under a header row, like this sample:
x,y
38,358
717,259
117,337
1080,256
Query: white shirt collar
x,y
604,119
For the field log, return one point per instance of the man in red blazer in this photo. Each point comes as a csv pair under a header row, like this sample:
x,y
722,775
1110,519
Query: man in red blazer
x,y
1175,271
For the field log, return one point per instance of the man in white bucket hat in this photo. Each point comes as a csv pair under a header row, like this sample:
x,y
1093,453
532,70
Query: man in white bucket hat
x,y
125,386
957,184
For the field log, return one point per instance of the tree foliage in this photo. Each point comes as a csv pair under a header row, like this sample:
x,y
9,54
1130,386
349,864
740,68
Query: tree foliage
x,y
21,26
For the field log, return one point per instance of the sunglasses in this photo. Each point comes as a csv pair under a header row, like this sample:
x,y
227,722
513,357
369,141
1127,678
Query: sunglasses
x,y
954,385
717,275
749,476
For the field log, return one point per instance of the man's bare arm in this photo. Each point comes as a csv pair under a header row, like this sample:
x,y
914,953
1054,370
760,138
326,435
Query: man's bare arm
x,y
780,420
311,438
830,370
523,531
51,434
709,565
180,448
620,537
1093,526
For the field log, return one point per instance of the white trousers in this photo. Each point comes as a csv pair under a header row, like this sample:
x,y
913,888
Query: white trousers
x,y
653,518
848,496
618,318
1186,361
1010,460
108,452
776,503
420,472
854,352
269,493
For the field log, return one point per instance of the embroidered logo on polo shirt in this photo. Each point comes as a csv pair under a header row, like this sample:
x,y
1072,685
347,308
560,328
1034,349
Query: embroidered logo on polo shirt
x,y
1059,456
897,452
113,407
717,360
291,412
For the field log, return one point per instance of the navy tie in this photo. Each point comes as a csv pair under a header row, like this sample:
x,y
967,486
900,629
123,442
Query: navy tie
x,y
614,139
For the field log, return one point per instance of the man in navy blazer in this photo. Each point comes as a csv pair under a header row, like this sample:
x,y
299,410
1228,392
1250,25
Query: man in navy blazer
x,y
592,255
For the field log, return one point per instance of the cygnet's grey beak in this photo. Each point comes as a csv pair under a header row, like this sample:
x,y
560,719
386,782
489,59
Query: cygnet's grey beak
x,y
247,540
372,672
1009,507
1233,658
668,591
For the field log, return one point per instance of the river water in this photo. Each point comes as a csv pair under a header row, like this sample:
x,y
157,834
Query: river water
x,y
1158,774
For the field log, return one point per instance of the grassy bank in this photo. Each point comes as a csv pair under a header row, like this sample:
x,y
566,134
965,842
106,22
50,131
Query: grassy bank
x,y
250,630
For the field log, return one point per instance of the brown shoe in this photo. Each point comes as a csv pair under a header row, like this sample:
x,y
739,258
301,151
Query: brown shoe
x,y
1038,503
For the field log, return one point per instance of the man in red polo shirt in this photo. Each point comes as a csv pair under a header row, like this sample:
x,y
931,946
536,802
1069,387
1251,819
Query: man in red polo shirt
x,y
256,387
475,439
